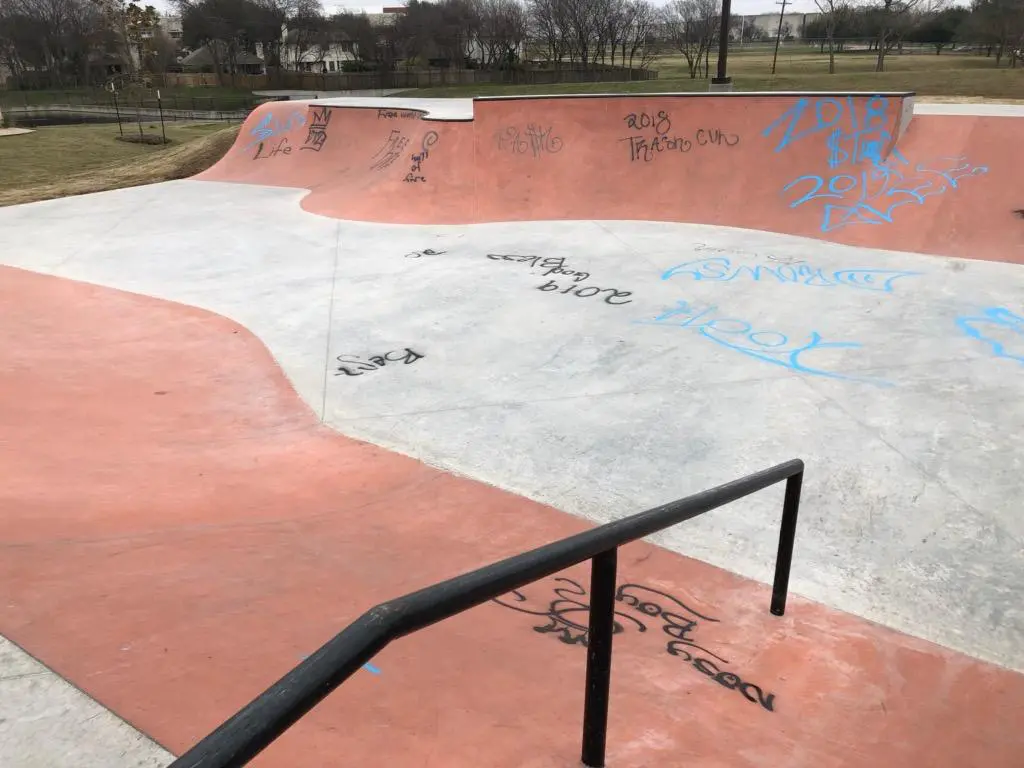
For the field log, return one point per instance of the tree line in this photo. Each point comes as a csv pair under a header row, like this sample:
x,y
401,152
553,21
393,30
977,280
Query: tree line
x,y
62,42
461,33
997,26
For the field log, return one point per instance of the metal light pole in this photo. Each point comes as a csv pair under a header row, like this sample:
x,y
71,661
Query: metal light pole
x,y
723,80
117,110
160,106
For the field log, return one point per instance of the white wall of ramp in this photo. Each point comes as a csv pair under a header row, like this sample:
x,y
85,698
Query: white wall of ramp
x,y
912,431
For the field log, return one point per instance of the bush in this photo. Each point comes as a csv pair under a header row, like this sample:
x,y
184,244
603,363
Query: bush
x,y
358,66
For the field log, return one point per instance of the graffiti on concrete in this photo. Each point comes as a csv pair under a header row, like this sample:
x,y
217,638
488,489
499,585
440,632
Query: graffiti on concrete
x,y
554,265
853,135
786,259
566,618
316,135
1001,330
768,346
353,365
390,151
872,196
716,137
429,140
644,148
660,122
722,269
424,252
873,179
532,140
587,291
396,114
271,126
282,147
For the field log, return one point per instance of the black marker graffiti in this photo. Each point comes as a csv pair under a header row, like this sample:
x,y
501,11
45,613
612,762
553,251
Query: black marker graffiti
x,y
391,114
641,148
417,160
716,137
661,123
317,135
614,293
391,151
358,366
533,139
786,259
645,149
426,252
281,148
568,614
552,265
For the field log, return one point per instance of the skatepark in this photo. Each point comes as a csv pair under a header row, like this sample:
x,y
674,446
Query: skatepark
x,y
384,342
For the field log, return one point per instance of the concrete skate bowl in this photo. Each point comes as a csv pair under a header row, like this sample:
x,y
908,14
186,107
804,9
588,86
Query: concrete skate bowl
x,y
856,168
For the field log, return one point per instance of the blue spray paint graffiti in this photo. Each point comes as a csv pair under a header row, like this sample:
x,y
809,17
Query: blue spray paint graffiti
x,y
866,137
271,126
1000,329
768,346
721,269
876,184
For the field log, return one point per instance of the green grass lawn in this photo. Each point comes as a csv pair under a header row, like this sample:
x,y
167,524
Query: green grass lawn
x,y
182,97
802,69
53,153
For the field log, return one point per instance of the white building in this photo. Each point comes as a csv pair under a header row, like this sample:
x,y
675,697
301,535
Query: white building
x,y
302,57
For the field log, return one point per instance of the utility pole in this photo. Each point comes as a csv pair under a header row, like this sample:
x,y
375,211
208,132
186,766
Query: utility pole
x,y
723,80
778,34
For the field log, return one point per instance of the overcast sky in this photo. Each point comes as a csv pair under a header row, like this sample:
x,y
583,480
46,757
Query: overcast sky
x,y
739,7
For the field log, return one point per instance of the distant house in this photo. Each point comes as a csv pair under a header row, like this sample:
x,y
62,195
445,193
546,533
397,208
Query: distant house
x,y
388,16
300,56
171,25
768,23
242,63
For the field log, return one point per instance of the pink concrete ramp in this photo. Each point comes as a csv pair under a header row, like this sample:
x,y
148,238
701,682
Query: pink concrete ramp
x,y
855,169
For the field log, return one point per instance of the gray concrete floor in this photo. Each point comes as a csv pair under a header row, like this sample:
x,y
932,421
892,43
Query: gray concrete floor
x,y
47,723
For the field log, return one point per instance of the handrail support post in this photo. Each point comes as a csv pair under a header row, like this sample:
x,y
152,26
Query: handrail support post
x,y
599,657
787,536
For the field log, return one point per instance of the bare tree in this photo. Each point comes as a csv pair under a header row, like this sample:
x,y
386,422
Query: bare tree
x,y
637,43
49,42
583,29
1000,24
357,28
443,30
549,24
308,37
501,30
892,18
118,16
832,14
692,27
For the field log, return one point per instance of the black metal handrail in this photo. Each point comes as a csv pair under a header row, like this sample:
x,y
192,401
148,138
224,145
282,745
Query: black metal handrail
x,y
257,724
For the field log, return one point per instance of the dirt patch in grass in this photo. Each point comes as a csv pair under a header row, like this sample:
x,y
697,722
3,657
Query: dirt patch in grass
x,y
145,138
127,165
